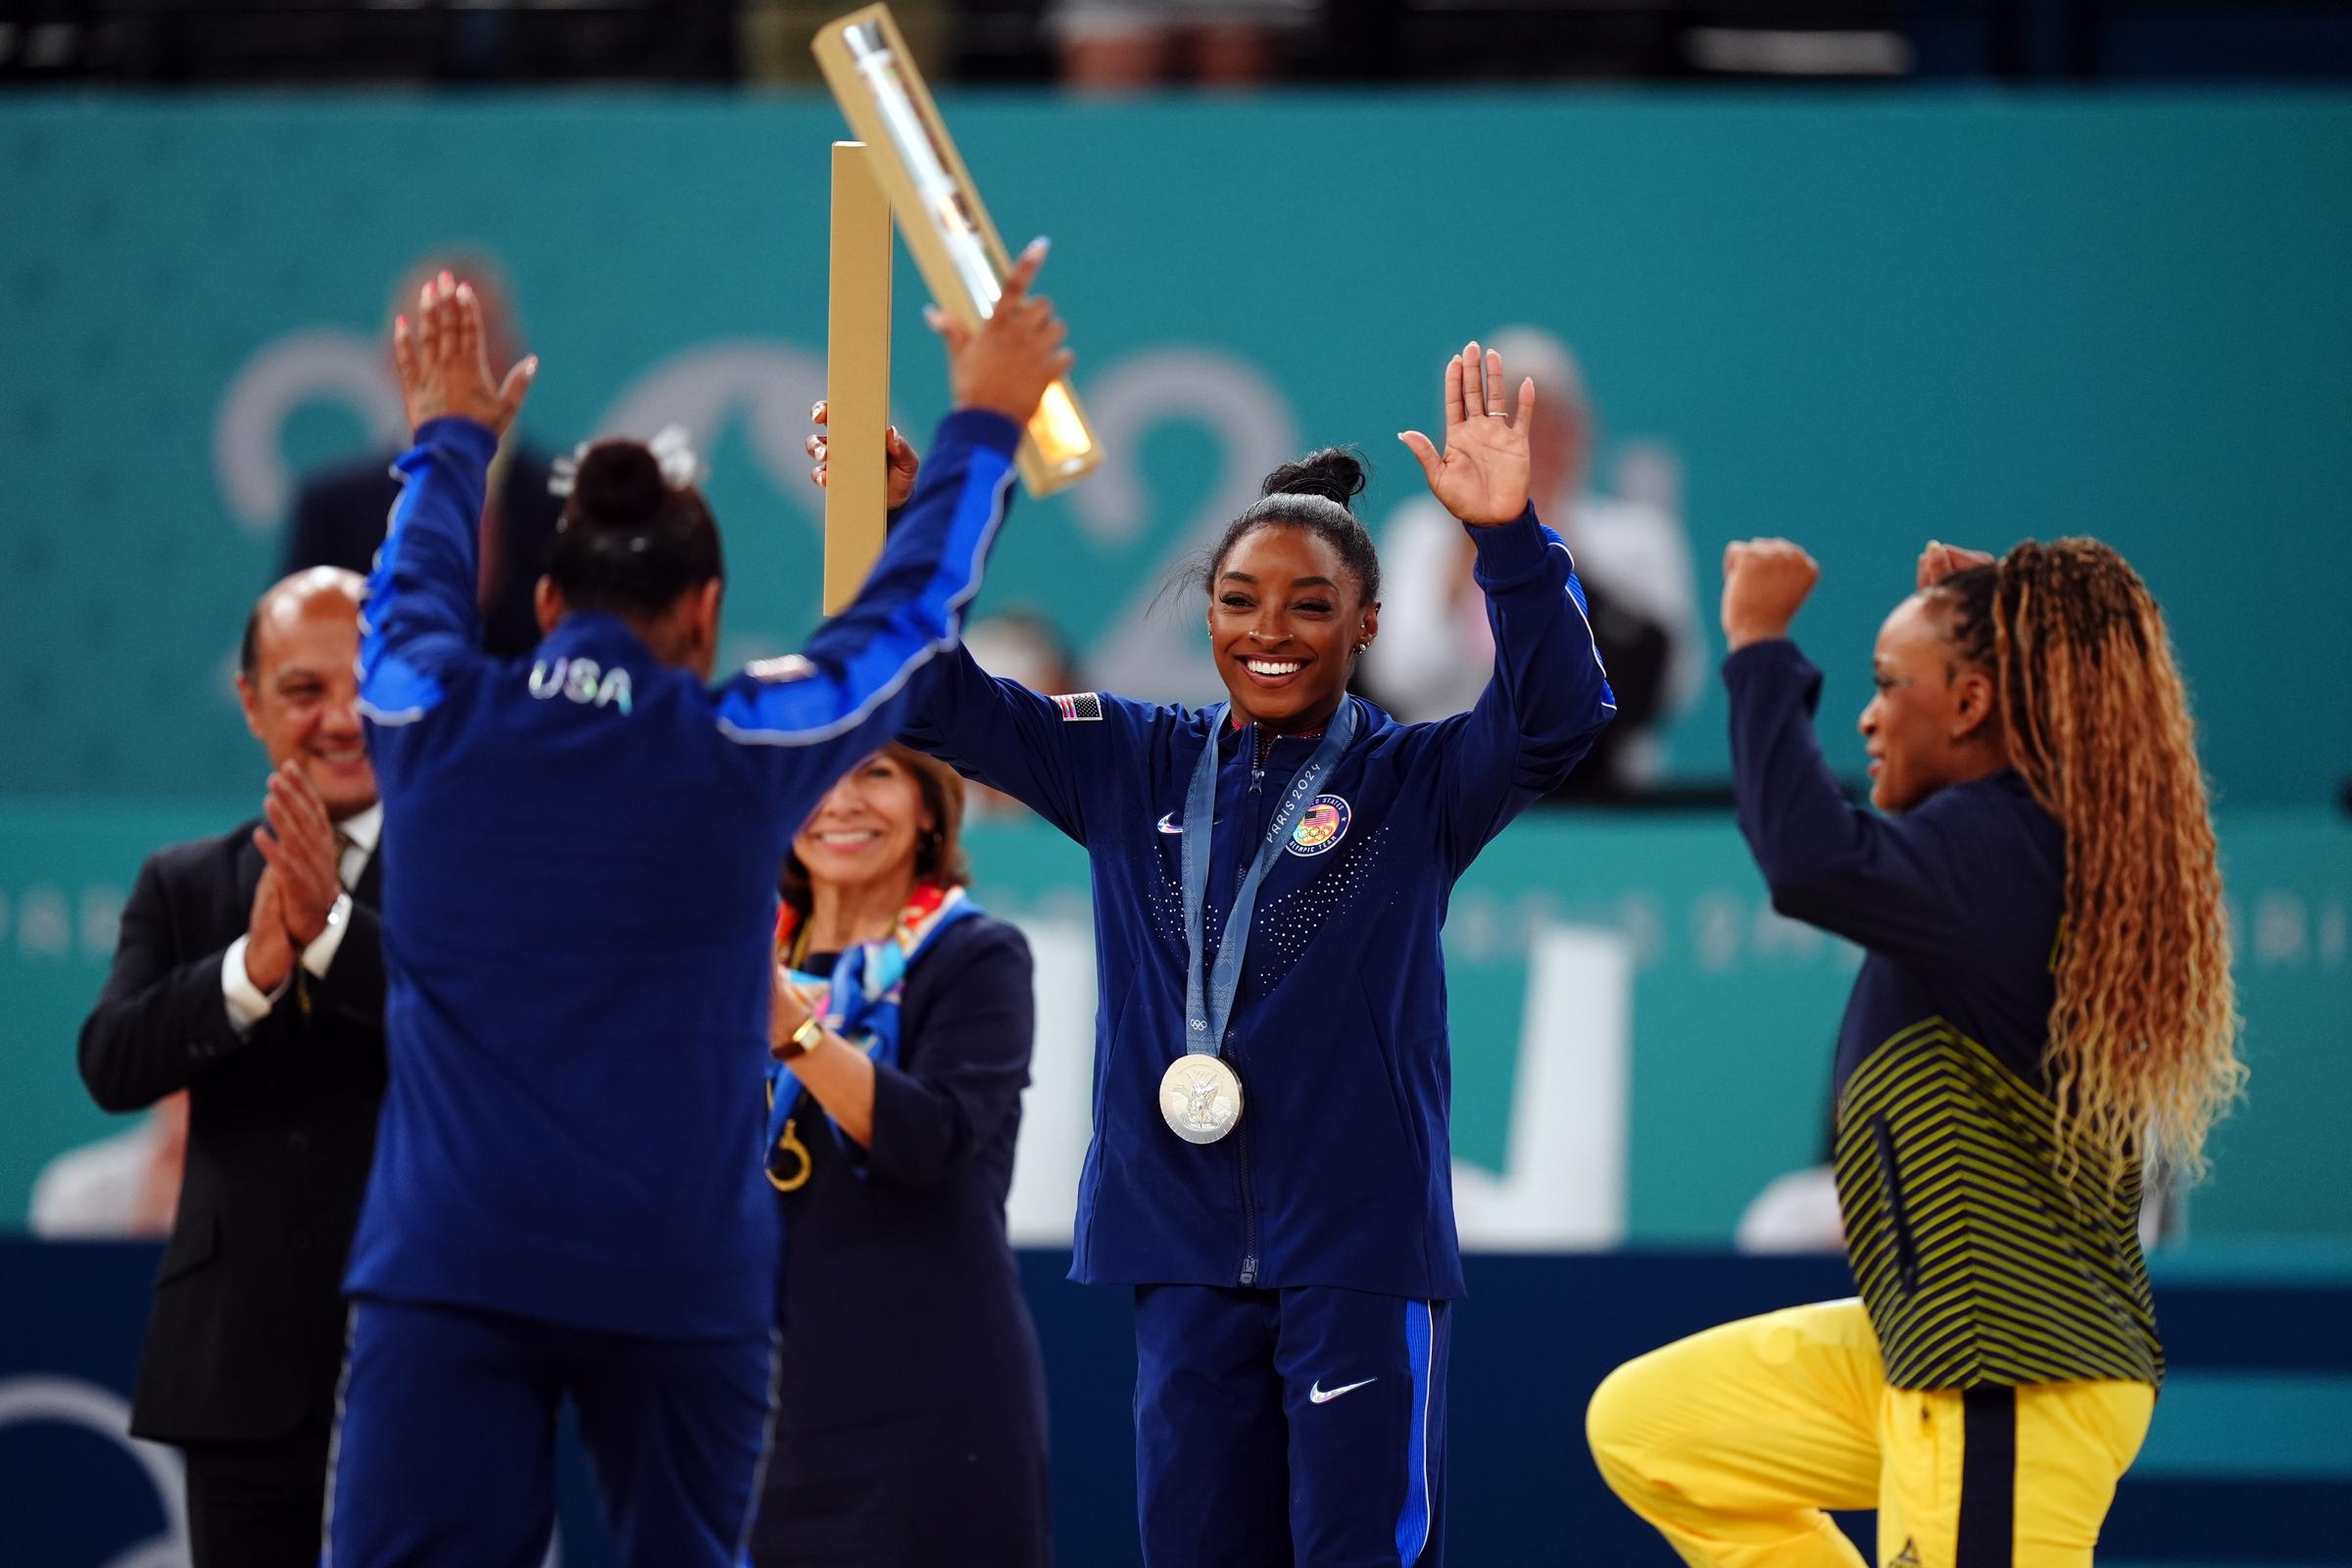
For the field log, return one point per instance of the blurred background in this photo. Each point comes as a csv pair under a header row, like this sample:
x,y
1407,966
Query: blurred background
x,y
1858,273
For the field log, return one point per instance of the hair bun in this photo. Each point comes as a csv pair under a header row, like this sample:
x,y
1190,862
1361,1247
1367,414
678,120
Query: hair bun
x,y
1333,473
619,485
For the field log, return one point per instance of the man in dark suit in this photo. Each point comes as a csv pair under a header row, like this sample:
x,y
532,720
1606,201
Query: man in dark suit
x,y
249,972
340,514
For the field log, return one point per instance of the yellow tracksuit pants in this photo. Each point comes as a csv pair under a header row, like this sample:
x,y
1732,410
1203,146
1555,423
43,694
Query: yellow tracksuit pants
x,y
1734,1442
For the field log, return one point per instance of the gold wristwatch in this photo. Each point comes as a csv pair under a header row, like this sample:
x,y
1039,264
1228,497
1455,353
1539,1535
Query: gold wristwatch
x,y
802,1040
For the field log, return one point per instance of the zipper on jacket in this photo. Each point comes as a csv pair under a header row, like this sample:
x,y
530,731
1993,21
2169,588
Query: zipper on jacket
x,y
1898,1218
1248,1274
1261,746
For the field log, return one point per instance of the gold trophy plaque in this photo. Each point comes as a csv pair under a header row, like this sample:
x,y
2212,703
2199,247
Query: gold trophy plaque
x,y
938,209
857,375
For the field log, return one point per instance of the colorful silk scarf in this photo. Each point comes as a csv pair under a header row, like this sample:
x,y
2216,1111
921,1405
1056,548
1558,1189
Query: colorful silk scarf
x,y
859,1001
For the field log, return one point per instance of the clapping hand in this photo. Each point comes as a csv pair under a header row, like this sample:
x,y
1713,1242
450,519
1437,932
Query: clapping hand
x,y
268,951
1482,477
444,362
300,882
1765,582
300,846
903,463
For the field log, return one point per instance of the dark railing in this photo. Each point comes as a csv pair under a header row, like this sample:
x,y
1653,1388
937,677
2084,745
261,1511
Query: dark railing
x,y
188,42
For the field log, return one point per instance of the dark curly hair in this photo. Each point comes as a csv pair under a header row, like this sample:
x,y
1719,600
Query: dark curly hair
x,y
629,543
1314,494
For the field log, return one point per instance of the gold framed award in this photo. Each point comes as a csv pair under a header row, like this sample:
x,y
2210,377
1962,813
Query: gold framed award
x,y
938,209
856,377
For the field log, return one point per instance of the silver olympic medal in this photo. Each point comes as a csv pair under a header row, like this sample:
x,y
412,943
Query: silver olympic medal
x,y
1200,1097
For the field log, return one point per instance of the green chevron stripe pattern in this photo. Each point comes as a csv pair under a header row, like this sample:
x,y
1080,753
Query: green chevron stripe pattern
x,y
1979,1261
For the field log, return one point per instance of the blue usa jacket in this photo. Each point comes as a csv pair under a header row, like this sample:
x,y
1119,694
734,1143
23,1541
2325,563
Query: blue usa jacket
x,y
1340,1172
580,884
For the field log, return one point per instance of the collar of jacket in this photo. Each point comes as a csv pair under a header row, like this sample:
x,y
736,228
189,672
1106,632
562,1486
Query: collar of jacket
x,y
600,633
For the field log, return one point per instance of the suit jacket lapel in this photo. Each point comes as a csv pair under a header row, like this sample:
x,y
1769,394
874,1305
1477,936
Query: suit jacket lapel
x,y
249,866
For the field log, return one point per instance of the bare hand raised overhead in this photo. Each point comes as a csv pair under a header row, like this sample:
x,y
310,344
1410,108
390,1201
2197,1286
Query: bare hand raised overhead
x,y
1482,477
445,365
1008,361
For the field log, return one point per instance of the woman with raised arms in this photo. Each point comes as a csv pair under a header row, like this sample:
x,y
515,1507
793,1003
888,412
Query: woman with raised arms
x,y
1270,1168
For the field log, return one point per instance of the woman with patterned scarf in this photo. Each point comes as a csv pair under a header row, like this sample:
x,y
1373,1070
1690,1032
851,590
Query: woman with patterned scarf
x,y
911,1419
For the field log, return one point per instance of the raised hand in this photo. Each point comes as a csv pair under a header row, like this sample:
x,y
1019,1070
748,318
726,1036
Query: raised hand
x,y
1007,365
904,464
444,364
1765,582
1482,477
300,846
1941,561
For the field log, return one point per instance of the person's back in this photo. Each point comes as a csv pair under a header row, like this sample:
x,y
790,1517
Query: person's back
x,y
525,997
567,1200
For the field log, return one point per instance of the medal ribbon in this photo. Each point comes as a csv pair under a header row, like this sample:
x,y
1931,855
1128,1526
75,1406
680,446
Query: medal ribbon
x,y
1209,998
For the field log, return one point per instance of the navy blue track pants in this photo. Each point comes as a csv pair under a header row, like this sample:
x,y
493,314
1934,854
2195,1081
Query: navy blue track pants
x,y
1290,1429
444,1453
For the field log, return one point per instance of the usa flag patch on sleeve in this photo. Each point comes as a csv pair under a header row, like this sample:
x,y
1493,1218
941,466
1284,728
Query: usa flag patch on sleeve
x,y
1079,707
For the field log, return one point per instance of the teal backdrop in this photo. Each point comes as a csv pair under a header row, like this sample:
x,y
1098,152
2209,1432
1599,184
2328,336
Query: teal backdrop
x,y
1855,320
1733,1010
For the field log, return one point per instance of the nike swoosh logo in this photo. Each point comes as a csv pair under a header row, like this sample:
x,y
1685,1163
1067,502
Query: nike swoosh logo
x,y
1319,1395
1167,825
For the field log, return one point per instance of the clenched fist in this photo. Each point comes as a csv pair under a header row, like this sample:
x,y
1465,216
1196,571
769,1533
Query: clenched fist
x,y
1765,582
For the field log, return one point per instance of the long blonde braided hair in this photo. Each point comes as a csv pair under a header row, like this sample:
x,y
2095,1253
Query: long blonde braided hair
x,y
2142,1036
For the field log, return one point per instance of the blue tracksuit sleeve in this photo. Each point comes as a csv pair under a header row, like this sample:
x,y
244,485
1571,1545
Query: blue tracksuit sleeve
x,y
848,690
961,1086
1895,885
420,616
1548,700
1007,737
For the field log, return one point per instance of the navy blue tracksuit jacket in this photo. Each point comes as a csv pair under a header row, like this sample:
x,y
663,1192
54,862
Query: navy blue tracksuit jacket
x,y
577,911
1340,1172
1983,1260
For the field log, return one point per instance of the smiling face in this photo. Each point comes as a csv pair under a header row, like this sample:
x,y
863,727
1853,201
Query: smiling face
x,y
1931,723
1286,620
867,828
300,691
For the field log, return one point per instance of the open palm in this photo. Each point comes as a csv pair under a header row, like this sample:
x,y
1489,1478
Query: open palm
x,y
444,362
1482,475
